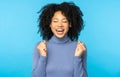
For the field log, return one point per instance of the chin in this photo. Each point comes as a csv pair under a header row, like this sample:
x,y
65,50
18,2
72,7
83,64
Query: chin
x,y
60,36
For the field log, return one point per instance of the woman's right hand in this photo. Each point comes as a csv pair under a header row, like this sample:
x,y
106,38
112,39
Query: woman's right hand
x,y
42,48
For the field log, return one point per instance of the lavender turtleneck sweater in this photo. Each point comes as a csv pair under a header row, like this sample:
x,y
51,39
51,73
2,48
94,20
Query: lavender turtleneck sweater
x,y
60,60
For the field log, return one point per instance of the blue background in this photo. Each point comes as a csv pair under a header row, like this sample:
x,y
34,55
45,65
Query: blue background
x,y
18,36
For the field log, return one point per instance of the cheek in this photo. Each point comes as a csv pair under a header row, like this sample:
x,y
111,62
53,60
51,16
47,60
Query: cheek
x,y
67,28
52,25
52,28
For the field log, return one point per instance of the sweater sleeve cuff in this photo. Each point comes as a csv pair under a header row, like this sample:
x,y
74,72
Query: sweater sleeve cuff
x,y
77,59
43,58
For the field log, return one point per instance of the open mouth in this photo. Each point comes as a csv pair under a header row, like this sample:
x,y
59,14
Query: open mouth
x,y
60,31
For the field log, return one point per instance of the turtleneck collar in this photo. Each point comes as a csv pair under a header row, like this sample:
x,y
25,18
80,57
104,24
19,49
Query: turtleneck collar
x,y
55,39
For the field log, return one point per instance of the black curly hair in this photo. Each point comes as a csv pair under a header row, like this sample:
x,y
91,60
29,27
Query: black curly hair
x,y
69,10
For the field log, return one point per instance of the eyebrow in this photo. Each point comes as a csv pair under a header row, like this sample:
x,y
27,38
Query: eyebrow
x,y
62,19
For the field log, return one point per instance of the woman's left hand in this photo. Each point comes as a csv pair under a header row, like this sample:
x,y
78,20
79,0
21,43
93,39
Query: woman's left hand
x,y
80,49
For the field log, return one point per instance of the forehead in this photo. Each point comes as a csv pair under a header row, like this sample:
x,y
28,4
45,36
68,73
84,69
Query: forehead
x,y
59,14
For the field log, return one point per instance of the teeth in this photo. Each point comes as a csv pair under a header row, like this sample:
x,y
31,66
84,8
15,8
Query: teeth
x,y
60,30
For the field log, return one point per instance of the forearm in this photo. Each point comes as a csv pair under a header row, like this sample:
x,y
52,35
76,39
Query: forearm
x,y
40,68
79,67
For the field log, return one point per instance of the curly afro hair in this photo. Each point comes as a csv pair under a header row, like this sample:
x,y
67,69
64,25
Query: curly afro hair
x,y
69,10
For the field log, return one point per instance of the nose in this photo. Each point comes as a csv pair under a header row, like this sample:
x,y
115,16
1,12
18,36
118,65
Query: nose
x,y
60,24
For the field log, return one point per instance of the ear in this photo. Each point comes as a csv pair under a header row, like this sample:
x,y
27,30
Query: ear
x,y
70,25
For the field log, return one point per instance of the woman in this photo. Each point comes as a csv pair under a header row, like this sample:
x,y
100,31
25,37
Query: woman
x,y
60,54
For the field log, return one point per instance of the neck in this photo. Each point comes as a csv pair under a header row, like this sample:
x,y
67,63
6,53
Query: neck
x,y
64,39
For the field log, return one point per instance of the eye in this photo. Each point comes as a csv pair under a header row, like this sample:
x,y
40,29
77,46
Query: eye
x,y
65,21
54,21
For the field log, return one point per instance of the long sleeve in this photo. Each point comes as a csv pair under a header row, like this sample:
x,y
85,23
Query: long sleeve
x,y
39,64
80,66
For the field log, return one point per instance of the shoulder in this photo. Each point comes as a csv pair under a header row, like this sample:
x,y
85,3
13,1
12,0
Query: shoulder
x,y
72,44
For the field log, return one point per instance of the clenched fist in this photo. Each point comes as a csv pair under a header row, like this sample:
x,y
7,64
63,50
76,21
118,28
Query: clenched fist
x,y
42,48
80,49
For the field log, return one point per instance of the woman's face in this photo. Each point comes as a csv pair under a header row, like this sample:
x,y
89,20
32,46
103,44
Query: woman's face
x,y
59,25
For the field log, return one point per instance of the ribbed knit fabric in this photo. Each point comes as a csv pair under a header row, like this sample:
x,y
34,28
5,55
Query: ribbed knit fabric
x,y
60,60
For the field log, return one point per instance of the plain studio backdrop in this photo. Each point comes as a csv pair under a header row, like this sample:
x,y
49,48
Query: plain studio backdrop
x,y
18,36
